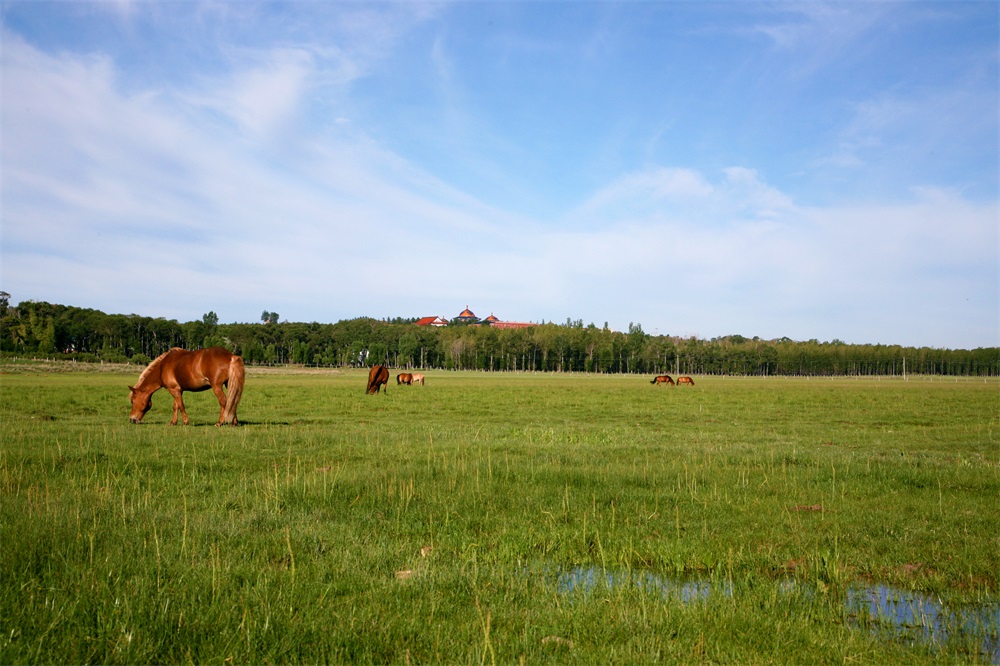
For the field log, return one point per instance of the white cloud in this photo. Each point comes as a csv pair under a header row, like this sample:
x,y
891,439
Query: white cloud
x,y
755,197
261,98
748,260
657,192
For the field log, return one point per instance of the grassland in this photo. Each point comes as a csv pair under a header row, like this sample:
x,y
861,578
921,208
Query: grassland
x,y
453,523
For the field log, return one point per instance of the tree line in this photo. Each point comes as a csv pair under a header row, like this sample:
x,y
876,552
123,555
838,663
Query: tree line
x,y
40,328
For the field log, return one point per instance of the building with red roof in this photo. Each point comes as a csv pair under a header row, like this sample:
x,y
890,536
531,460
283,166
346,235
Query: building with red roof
x,y
431,321
467,316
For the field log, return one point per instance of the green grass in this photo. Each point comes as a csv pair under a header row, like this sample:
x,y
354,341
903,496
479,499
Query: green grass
x,y
429,525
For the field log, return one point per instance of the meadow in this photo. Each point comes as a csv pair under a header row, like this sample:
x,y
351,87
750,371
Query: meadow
x,y
497,518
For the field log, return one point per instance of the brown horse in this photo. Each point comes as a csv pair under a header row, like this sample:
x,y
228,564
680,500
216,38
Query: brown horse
x,y
180,370
418,379
378,377
662,379
685,380
404,378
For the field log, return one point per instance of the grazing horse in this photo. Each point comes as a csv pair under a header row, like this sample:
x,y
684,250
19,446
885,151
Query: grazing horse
x,y
418,379
662,379
378,377
180,370
404,378
685,380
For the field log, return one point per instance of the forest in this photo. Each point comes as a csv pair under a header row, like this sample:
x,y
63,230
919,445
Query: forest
x,y
35,328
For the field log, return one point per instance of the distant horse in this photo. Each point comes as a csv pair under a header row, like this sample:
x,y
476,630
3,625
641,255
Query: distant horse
x,y
404,378
662,379
418,379
685,380
378,377
180,370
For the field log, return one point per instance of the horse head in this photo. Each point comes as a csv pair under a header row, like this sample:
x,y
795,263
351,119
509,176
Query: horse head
x,y
142,401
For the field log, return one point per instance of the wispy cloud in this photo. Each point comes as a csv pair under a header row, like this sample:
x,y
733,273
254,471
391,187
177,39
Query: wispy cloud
x,y
654,186
262,98
820,32
936,129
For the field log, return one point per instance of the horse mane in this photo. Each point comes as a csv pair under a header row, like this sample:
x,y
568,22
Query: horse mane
x,y
155,365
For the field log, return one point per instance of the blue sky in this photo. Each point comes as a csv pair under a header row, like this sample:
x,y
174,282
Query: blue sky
x,y
810,170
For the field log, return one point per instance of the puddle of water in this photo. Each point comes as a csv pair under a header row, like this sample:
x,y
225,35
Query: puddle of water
x,y
900,614
585,580
918,617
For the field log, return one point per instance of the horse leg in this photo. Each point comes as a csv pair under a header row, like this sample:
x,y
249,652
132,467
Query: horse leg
x,y
178,405
222,402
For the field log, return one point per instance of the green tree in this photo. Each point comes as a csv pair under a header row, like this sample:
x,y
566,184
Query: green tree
x,y
408,349
47,337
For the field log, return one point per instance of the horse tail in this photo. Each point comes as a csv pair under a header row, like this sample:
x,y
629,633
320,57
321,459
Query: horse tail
x,y
237,373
